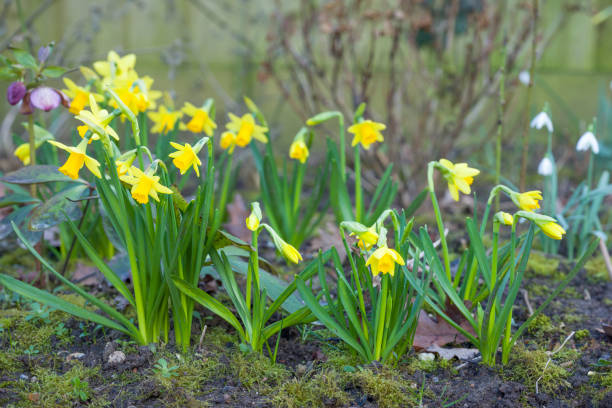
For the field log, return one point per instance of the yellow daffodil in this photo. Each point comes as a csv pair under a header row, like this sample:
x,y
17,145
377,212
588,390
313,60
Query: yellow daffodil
x,y
77,159
383,260
186,157
289,252
551,229
505,218
124,162
246,129
527,201
115,66
367,238
22,152
200,120
459,177
144,184
367,133
252,222
79,96
299,151
164,120
136,93
97,120
228,141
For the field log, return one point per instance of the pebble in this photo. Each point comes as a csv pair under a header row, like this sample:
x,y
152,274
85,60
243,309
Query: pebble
x,y
75,356
427,356
116,357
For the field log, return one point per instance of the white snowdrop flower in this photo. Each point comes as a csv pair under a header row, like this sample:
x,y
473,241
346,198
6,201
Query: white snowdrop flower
x,y
542,120
587,141
545,168
524,77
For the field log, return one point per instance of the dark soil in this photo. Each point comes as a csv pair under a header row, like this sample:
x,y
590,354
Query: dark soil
x,y
133,382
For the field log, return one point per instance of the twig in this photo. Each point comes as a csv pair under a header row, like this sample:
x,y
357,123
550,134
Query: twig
x,y
526,298
550,354
529,92
606,257
202,337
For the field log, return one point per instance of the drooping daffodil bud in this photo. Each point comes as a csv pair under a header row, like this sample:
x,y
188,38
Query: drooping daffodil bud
x,y
253,220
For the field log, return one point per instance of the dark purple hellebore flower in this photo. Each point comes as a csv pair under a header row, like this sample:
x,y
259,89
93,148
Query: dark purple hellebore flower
x,y
15,92
45,98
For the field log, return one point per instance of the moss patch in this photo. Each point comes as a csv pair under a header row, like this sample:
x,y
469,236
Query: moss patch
x,y
526,366
596,269
323,389
541,265
386,387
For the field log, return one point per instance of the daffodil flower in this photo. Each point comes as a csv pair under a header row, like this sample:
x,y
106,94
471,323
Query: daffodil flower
x,y
254,218
367,238
299,151
527,201
383,261
115,66
164,120
186,157
228,141
22,152
77,159
200,120
290,253
551,229
124,162
97,120
458,176
136,93
366,133
246,129
144,184
79,96
505,218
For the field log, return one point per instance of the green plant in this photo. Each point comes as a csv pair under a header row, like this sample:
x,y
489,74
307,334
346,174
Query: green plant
x,y
252,309
385,330
500,270
162,368
80,389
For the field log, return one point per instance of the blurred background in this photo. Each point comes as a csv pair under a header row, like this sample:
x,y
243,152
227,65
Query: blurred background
x,y
429,69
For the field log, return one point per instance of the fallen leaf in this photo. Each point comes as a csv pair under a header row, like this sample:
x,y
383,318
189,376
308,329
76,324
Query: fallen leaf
x,y
328,237
237,213
86,275
450,353
431,332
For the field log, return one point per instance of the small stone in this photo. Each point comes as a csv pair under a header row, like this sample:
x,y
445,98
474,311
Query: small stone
x,y
226,398
300,369
427,356
24,377
33,379
109,347
75,356
591,373
116,357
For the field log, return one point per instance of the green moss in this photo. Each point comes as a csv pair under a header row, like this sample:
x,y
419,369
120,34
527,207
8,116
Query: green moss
x,y
540,326
571,318
526,366
541,265
218,337
413,364
52,389
607,302
322,389
582,335
339,359
257,372
9,362
387,388
596,269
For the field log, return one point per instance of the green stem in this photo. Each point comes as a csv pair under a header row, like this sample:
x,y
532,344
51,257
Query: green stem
x,y
357,284
507,335
342,146
381,318
224,191
436,207
358,192
297,192
32,143
500,122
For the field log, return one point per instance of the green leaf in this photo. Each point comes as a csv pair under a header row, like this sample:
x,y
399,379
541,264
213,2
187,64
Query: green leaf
x,y
40,173
8,74
17,198
46,298
25,59
210,303
56,209
54,71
